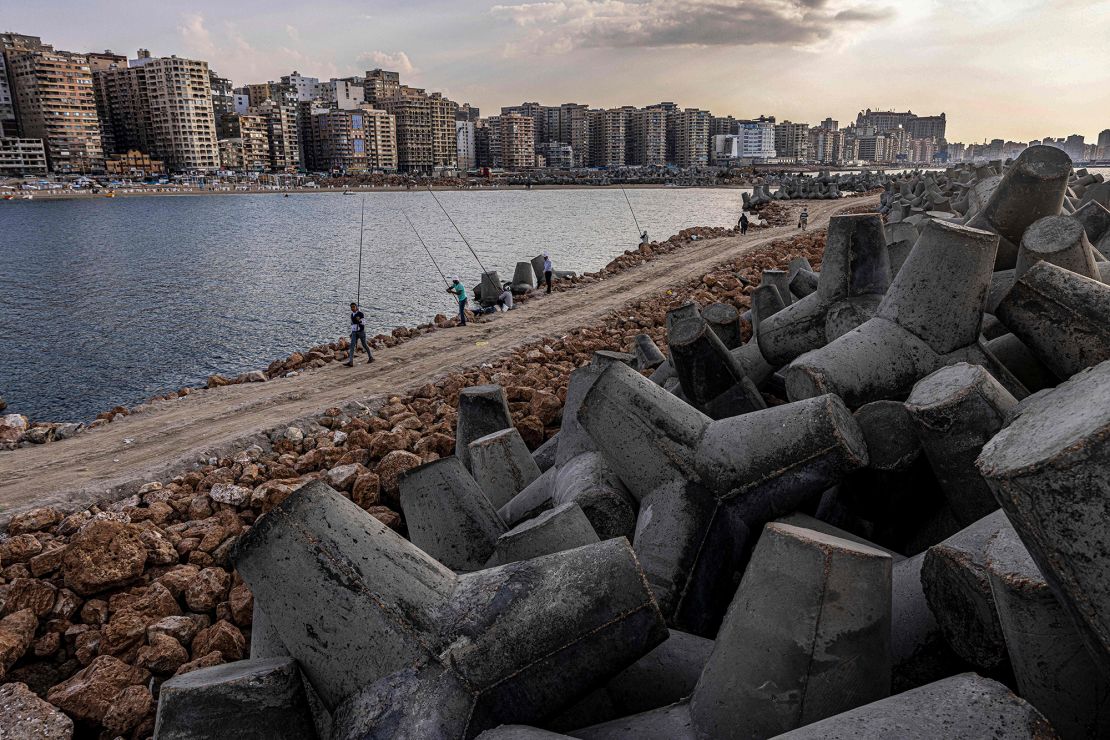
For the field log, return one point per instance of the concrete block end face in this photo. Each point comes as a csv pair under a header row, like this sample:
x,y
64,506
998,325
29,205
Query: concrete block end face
x,y
856,261
1059,240
888,430
793,330
935,396
248,698
807,636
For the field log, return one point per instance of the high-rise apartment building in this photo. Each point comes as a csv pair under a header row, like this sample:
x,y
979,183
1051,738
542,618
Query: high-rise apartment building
x,y
426,142
99,63
250,143
302,88
282,135
792,140
466,153
758,139
607,137
691,137
55,101
22,157
351,141
512,141
1102,147
825,144
380,85
1073,146
11,42
574,129
223,103
343,94
669,110
646,140
556,155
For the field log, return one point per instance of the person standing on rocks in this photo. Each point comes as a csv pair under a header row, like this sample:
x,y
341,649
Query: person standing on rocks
x,y
459,291
358,334
548,269
743,223
644,237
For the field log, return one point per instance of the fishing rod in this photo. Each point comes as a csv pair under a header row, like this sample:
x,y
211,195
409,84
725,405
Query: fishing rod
x,y
448,215
639,231
433,259
361,232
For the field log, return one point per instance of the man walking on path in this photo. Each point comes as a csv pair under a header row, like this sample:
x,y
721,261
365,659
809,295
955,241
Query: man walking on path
x,y
358,334
547,270
803,218
460,293
743,223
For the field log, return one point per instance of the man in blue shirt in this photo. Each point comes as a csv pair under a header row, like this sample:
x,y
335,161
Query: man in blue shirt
x,y
358,334
460,293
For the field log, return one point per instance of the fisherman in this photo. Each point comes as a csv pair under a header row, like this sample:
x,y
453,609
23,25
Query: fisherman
x,y
644,237
803,218
505,300
743,222
457,288
548,269
358,334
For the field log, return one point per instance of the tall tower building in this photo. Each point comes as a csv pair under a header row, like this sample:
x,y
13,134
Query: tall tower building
x,y
691,137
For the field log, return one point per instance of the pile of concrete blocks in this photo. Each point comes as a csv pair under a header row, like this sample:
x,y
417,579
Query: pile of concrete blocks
x,y
887,514
822,186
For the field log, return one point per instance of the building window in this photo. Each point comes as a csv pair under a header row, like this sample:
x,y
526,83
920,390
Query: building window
x,y
356,121
359,145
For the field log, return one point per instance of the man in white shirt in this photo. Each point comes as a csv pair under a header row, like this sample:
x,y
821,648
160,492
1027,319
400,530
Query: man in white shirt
x,y
505,300
548,269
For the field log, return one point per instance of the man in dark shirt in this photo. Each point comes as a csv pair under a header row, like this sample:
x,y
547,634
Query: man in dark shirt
x,y
358,334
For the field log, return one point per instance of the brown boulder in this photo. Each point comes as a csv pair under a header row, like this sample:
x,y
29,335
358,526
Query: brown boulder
x,y
385,515
181,628
47,561
531,431
17,631
342,477
24,716
29,593
128,708
241,604
89,693
441,444
206,589
391,467
163,655
205,661
547,407
127,627
35,520
383,443
104,554
19,549
224,638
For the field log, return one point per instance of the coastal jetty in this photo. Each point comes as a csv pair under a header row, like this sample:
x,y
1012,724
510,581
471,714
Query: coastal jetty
x,y
873,507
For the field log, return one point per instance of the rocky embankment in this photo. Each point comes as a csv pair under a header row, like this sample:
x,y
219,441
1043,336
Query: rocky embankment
x,y
99,607
16,430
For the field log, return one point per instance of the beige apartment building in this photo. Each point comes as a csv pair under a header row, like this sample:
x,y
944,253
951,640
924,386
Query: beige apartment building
x,y
11,42
646,141
691,137
607,137
55,102
351,141
516,141
282,135
425,124
22,157
574,129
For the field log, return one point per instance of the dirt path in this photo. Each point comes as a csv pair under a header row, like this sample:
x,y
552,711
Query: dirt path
x,y
114,459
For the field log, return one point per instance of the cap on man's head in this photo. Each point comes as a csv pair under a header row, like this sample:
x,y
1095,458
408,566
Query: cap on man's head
x,y
545,254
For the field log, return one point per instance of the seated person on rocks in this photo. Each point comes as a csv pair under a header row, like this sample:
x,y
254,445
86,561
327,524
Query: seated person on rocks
x,y
505,300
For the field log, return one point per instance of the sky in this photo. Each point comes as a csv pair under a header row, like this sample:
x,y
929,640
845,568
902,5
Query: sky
x,y
1012,69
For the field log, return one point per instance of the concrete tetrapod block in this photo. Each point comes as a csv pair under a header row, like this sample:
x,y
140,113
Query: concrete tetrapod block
x,y
448,514
963,706
648,354
564,527
574,439
265,640
502,465
537,267
807,636
805,521
932,310
766,302
260,699
523,276
1063,317
589,481
804,283
752,361
919,652
724,320
954,578
483,410
1020,360
1031,188
703,363
956,411
386,623
1052,668
892,441
855,269
519,732
544,455
1095,220
518,643
532,501
1050,471
780,279
490,287
1059,240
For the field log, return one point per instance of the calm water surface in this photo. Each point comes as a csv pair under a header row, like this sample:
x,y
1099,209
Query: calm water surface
x,y
107,302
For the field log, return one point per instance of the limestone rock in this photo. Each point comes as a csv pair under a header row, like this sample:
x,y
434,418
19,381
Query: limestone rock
x,y
89,694
104,554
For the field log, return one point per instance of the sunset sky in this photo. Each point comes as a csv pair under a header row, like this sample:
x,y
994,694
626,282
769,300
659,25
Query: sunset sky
x,y
1015,69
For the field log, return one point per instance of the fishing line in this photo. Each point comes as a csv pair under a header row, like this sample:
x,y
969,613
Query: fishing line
x,y
639,231
433,259
448,215
361,231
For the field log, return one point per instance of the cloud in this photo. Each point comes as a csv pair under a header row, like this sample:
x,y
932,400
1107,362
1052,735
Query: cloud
x,y
293,34
562,25
396,62
195,35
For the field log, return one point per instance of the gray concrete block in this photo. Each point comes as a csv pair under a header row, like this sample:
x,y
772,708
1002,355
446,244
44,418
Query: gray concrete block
x,y
704,366
805,521
564,527
1095,220
523,276
804,283
954,577
1031,188
544,455
751,359
892,441
1053,670
1063,317
448,515
532,501
648,354
573,438
482,410
956,411
589,481
724,320
919,652
519,732
265,640
1050,471
671,722
780,280
766,302
502,465
964,706
260,699
807,637
1020,360
1059,240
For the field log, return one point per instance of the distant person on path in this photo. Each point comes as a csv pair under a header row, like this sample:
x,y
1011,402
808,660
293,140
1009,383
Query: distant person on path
x,y
358,334
505,300
803,218
743,223
548,269
460,293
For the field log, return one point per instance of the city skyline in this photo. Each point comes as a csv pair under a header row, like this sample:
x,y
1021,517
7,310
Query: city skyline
x,y
742,59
